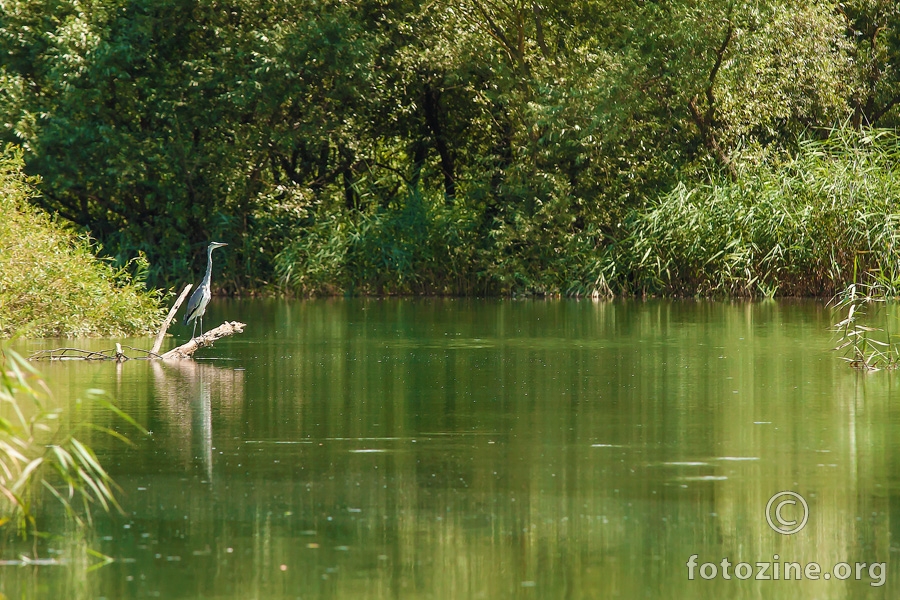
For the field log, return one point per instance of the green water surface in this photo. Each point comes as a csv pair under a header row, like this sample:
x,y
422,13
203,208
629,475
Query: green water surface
x,y
442,449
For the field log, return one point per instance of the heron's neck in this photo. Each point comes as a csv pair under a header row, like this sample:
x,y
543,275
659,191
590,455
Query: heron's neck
x,y
208,275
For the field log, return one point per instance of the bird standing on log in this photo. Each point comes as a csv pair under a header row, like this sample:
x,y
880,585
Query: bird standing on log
x,y
200,298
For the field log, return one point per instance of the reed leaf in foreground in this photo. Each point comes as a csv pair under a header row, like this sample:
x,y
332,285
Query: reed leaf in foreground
x,y
40,452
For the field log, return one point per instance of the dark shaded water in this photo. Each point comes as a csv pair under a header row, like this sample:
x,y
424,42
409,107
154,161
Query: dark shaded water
x,y
489,449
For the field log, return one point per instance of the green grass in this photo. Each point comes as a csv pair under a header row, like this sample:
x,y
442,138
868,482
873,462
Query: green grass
x,y
51,282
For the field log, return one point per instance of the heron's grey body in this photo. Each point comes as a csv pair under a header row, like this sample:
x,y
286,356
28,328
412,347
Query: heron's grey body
x,y
200,298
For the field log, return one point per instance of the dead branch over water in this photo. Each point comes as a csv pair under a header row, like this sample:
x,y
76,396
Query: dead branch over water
x,y
204,340
118,354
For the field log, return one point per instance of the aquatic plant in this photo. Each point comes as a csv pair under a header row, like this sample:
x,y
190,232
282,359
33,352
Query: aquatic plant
x,y
798,224
802,222
865,347
419,246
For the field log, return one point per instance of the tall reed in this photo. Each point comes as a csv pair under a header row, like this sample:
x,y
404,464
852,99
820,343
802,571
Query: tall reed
x,y
801,224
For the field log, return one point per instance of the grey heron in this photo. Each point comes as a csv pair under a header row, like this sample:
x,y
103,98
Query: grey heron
x,y
200,298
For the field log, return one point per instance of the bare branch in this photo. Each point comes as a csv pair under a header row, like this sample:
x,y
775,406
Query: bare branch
x,y
168,321
187,350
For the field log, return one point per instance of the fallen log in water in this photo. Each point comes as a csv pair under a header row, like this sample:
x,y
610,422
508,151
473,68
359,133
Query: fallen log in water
x,y
118,353
205,339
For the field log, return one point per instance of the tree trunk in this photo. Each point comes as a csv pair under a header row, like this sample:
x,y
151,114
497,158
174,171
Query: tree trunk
x,y
431,105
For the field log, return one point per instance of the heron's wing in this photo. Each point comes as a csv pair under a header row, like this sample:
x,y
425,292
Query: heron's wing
x,y
192,305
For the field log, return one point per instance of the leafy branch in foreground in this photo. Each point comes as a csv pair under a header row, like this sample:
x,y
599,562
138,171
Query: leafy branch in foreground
x,y
38,451
865,347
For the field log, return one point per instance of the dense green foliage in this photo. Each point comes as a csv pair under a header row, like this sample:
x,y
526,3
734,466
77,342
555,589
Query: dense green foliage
x,y
449,146
51,284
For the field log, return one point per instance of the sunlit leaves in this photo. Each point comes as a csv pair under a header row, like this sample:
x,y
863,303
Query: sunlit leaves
x,y
793,70
50,281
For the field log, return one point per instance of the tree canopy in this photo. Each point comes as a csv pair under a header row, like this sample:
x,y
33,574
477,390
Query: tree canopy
x,y
440,146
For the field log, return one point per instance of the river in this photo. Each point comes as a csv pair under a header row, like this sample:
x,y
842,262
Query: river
x,y
446,448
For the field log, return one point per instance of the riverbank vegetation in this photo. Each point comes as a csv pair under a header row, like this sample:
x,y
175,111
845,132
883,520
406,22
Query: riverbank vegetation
x,y
467,146
51,283
804,224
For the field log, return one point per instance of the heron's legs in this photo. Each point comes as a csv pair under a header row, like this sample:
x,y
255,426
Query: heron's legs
x,y
194,334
